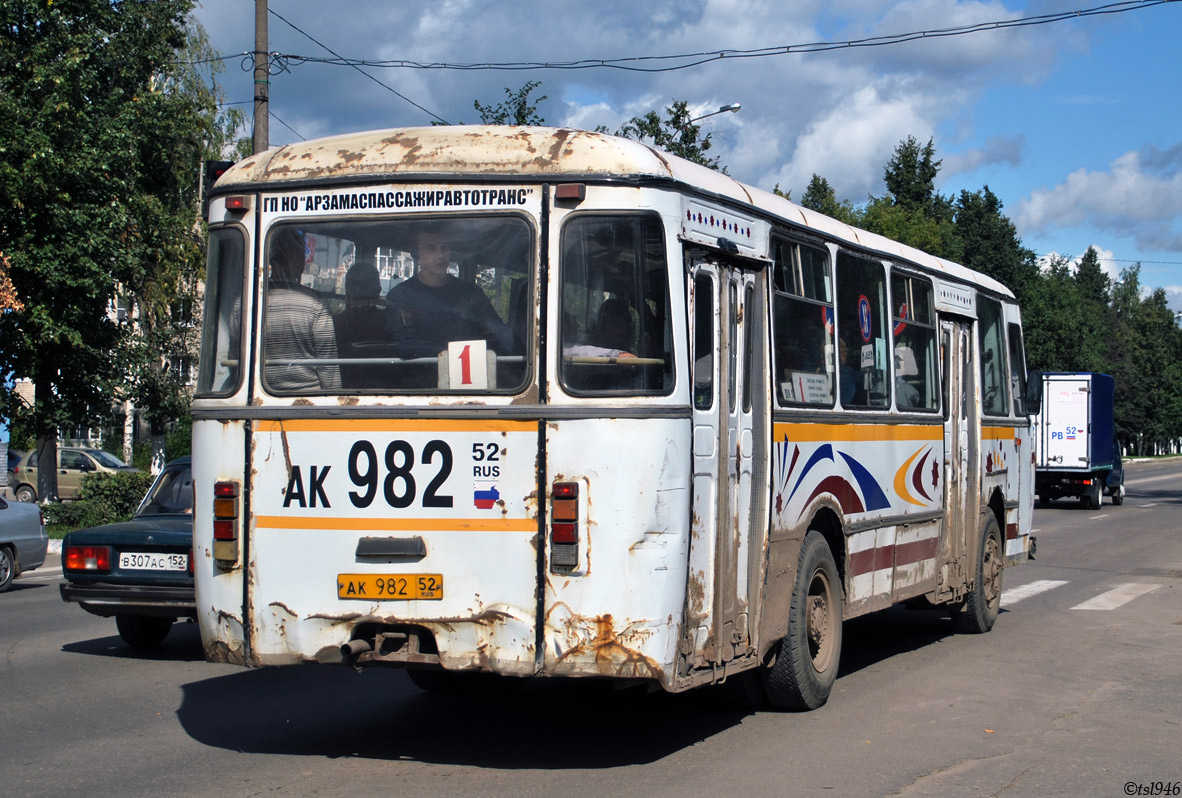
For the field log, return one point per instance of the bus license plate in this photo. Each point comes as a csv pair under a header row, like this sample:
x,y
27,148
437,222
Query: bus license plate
x,y
153,561
390,587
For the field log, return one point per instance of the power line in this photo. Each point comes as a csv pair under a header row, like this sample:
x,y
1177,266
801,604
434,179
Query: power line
x,y
344,61
636,63
699,58
1114,260
289,127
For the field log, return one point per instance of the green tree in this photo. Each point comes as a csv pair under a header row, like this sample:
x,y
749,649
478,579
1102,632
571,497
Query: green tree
x,y
910,175
163,303
821,197
518,109
1058,332
676,134
913,212
101,137
990,244
1090,277
1145,365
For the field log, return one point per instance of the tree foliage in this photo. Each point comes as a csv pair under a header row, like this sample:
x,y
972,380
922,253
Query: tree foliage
x,y
102,131
1075,317
518,109
676,134
822,198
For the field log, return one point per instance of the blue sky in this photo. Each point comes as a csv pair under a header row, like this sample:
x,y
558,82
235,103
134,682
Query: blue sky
x,y
1075,125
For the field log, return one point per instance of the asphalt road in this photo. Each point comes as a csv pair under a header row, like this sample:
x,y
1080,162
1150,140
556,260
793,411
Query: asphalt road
x,y
1076,691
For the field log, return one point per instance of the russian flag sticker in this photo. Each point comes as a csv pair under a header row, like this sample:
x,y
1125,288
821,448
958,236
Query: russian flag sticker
x,y
485,495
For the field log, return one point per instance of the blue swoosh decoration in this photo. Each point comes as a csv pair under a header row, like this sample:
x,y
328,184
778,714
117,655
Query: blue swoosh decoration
x,y
874,497
824,452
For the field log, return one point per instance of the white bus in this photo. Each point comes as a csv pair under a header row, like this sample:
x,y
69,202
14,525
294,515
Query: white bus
x,y
549,403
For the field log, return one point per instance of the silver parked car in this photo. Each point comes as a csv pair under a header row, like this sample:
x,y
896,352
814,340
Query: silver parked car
x,y
22,540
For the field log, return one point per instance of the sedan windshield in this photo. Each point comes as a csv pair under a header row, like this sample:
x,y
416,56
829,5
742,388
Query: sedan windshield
x,y
107,459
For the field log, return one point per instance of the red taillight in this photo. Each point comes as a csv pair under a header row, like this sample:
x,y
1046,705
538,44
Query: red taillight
x,y
225,523
237,203
88,558
564,526
224,529
563,533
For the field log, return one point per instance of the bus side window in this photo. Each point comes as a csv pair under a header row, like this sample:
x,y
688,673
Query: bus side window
x,y
615,335
861,322
802,325
914,333
994,401
1017,370
219,365
703,342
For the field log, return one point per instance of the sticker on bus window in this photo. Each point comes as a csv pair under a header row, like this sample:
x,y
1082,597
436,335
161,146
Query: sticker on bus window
x,y
467,365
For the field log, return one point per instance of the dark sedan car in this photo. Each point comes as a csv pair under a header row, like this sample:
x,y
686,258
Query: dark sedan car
x,y
139,571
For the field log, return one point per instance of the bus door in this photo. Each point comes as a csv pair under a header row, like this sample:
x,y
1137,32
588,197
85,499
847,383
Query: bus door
x,y
724,320
961,447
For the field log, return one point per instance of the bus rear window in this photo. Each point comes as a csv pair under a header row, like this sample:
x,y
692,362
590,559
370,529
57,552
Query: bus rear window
x,y
615,332
220,363
398,306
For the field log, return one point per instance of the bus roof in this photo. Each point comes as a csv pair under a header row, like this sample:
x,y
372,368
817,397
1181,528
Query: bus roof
x,y
543,154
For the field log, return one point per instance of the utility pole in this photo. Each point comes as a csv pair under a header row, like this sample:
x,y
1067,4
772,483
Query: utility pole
x,y
262,79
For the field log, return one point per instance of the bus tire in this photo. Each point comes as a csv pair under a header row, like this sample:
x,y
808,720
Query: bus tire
x,y
807,658
983,602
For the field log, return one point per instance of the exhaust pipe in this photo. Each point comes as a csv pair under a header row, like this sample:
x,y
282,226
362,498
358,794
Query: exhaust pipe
x,y
354,649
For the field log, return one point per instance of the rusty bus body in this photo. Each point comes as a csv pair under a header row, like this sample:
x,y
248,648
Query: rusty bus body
x,y
799,422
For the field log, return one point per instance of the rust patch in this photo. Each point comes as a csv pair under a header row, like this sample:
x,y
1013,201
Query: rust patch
x,y
284,607
218,651
530,397
612,656
350,157
302,403
695,593
348,401
342,618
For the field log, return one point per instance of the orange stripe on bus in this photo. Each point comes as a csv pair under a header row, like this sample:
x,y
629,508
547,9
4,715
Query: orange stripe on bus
x,y
398,524
810,433
394,425
997,433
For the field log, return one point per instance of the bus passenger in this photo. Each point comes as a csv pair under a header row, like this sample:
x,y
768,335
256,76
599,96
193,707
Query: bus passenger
x,y
434,308
361,329
298,323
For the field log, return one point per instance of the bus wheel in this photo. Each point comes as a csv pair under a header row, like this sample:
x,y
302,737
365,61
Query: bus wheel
x,y
983,602
805,668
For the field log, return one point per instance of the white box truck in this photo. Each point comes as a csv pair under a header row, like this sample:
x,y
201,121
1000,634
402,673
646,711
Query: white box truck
x,y
1076,453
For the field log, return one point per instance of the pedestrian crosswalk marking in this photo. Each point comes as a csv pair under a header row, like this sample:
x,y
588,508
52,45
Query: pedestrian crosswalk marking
x,y
1016,594
1118,596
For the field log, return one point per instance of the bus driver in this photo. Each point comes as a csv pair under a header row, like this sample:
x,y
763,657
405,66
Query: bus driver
x,y
433,308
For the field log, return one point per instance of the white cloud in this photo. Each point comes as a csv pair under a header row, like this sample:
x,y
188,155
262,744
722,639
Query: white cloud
x,y
851,143
997,150
1139,196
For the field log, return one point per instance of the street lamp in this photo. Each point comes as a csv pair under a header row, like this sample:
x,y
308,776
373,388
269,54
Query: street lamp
x,y
724,109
